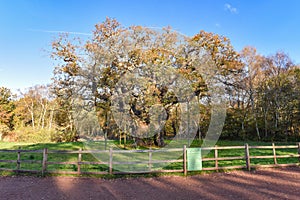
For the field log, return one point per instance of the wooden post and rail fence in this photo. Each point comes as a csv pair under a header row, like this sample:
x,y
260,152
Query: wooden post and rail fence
x,y
110,163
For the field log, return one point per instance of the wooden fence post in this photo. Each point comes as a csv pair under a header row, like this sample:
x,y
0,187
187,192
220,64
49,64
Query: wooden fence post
x,y
19,159
110,161
44,163
247,157
150,159
274,154
299,151
79,160
184,160
216,158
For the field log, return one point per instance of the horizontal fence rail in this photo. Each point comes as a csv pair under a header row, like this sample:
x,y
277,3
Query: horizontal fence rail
x,y
109,164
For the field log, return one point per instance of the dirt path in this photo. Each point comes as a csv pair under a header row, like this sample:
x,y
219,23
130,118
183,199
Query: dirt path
x,y
261,184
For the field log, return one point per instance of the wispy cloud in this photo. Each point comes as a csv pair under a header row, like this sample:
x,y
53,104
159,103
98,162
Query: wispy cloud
x,y
55,31
89,34
230,8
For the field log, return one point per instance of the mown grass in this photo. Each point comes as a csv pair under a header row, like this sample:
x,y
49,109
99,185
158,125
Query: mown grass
x,y
125,157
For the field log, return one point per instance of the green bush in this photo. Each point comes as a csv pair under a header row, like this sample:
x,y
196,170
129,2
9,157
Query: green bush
x,y
4,129
38,135
35,135
64,136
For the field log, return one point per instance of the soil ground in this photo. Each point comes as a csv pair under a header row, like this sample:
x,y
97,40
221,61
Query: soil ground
x,y
281,183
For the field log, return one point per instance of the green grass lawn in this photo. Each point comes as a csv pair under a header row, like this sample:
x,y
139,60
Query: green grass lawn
x,y
125,157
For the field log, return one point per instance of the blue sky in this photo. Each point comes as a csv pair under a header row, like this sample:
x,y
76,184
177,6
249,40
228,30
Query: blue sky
x,y
269,25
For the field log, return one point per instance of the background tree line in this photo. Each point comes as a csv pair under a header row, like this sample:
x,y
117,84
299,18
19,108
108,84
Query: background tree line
x,y
262,91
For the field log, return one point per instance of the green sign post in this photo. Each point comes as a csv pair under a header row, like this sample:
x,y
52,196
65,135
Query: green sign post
x,y
194,159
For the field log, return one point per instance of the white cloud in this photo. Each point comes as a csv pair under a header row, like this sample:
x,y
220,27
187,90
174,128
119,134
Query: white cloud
x,y
54,31
218,25
230,8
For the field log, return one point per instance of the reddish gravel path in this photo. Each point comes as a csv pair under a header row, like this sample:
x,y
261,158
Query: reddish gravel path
x,y
260,184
